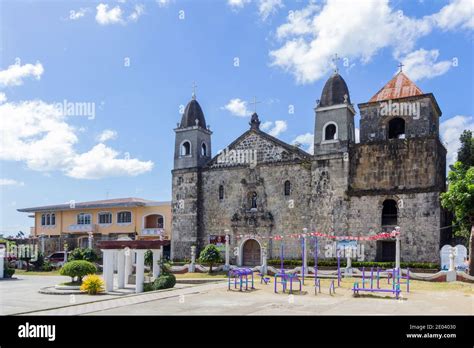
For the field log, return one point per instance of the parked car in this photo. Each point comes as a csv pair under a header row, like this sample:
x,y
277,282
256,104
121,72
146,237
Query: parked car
x,y
57,259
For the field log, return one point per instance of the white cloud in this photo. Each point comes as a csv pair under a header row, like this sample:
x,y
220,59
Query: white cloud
x,y
75,15
422,64
14,74
306,140
237,4
107,134
355,30
3,97
274,128
11,182
237,107
104,16
450,131
267,8
36,133
163,3
458,14
137,13
101,161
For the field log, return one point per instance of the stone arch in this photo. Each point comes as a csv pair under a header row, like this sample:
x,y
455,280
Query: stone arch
x,y
250,252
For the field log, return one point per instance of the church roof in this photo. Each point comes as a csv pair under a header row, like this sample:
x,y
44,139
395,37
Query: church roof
x,y
400,86
334,92
192,113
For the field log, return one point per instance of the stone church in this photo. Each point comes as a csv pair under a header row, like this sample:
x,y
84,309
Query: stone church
x,y
264,187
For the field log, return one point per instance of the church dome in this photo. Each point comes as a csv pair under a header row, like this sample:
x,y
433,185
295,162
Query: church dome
x,y
334,91
192,113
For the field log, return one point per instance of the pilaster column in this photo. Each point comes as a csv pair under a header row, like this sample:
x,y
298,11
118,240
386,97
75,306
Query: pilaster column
x,y
108,269
121,269
140,270
156,265
227,252
192,266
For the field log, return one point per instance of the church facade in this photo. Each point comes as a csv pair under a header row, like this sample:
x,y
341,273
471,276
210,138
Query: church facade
x,y
260,187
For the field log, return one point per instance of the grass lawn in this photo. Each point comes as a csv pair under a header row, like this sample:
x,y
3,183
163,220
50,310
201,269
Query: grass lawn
x,y
202,275
24,272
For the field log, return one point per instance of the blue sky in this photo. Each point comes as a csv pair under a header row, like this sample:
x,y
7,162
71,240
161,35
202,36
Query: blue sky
x,y
135,63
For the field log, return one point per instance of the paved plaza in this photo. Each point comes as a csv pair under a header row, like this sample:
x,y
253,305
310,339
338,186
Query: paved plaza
x,y
21,296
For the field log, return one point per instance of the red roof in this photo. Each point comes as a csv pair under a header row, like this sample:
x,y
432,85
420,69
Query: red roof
x,y
398,87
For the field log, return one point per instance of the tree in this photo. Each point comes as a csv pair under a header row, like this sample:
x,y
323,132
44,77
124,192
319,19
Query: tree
x,y
459,199
210,256
466,151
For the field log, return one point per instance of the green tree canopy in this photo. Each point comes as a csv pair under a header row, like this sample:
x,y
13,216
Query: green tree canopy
x,y
210,255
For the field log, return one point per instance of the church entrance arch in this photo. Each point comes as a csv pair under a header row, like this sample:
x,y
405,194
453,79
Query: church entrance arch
x,y
251,253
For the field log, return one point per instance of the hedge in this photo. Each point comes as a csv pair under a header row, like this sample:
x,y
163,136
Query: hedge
x,y
78,268
333,263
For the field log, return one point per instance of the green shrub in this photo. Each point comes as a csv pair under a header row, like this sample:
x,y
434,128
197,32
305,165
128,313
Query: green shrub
x,y
83,254
78,268
47,266
164,281
149,258
7,271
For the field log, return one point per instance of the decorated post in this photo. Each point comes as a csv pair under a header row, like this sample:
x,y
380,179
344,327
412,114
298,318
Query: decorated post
x,y
264,260
192,266
227,251
90,240
397,247
305,258
451,274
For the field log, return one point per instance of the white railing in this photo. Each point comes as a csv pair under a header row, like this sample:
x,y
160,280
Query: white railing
x,y
82,228
153,232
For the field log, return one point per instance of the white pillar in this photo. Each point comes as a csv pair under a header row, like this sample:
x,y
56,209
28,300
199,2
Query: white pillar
x,y
42,236
2,258
227,253
121,269
140,270
128,264
156,262
192,266
108,269
348,271
305,253
89,240
397,252
264,268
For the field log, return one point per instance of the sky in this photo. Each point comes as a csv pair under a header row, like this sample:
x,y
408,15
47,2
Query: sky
x,y
90,91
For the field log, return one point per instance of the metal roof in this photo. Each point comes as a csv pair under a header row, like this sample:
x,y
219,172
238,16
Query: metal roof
x,y
400,86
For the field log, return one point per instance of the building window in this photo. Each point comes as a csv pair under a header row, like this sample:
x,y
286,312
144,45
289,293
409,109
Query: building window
x,y
389,213
84,219
186,148
287,188
396,128
48,219
330,131
221,192
180,180
105,218
161,222
203,150
124,217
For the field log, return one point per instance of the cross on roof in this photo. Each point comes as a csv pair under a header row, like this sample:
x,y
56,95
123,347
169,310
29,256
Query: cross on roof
x,y
194,90
400,66
334,60
254,102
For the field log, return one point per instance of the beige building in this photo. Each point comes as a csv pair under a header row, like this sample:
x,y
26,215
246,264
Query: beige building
x,y
135,218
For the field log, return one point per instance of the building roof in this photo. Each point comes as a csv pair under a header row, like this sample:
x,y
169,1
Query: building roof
x,y
107,203
400,86
193,113
335,91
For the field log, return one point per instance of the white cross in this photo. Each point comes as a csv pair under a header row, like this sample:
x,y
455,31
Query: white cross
x,y
254,102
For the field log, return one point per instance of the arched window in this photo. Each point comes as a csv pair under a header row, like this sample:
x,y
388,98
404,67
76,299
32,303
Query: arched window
x,y
186,148
330,131
48,219
396,128
43,219
84,219
160,222
221,192
253,200
105,218
287,188
203,150
389,213
53,219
